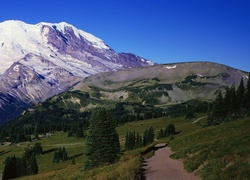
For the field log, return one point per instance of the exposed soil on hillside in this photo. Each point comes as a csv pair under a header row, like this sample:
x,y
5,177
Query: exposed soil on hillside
x,y
162,167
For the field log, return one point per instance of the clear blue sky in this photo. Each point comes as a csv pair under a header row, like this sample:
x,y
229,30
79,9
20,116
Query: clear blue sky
x,y
163,31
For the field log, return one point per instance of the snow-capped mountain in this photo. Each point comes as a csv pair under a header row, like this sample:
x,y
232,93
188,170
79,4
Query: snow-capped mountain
x,y
42,60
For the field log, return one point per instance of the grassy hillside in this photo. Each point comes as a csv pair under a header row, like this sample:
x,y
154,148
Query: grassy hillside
x,y
217,152
160,84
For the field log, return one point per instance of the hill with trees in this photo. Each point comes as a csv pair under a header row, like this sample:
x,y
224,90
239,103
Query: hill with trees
x,y
94,117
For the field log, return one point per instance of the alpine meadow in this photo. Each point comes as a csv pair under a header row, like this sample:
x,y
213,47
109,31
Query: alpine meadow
x,y
71,107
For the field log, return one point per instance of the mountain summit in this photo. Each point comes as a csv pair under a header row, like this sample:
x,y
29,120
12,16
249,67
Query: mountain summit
x,y
42,60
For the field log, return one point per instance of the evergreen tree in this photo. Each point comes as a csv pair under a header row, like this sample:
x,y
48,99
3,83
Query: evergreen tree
x,y
247,94
218,109
38,150
130,141
148,136
28,151
170,130
64,154
102,141
21,167
233,101
227,101
37,136
190,114
133,140
10,170
161,134
127,141
70,134
138,140
240,94
32,167
79,132
60,155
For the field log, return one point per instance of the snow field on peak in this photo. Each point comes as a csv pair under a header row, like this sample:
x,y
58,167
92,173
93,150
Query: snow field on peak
x,y
18,39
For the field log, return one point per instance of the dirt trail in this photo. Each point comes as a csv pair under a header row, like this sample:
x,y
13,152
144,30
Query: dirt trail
x,y
197,120
162,167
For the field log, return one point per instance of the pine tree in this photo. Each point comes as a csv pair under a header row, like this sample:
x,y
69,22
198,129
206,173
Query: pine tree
x,y
38,150
79,132
102,141
33,167
170,130
145,137
233,101
240,94
55,157
133,140
10,170
227,102
218,109
138,142
64,154
60,155
148,136
161,134
247,94
130,141
27,152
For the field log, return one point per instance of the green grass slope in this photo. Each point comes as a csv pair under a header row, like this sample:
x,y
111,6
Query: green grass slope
x,y
217,152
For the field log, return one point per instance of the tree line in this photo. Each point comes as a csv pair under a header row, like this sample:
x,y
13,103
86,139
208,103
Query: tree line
x,y
60,155
22,166
48,117
134,140
233,105
168,131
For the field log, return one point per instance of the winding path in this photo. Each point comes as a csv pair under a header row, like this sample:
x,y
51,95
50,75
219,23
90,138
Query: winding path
x,y
162,167
197,120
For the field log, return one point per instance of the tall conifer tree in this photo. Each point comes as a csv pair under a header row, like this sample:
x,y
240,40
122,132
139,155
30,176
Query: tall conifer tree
x,y
218,106
233,101
33,167
240,94
102,141
247,94
227,101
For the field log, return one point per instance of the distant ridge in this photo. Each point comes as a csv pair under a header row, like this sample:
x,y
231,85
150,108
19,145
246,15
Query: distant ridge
x,y
158,85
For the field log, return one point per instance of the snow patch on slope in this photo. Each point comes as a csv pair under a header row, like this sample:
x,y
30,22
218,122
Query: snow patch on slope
x,y
245,77
171,67
150,63
16,68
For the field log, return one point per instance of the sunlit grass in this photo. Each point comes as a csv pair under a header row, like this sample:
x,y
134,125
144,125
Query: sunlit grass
x,y
216,152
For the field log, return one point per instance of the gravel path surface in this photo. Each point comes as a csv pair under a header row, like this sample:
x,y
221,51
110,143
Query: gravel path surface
x,y
162,167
